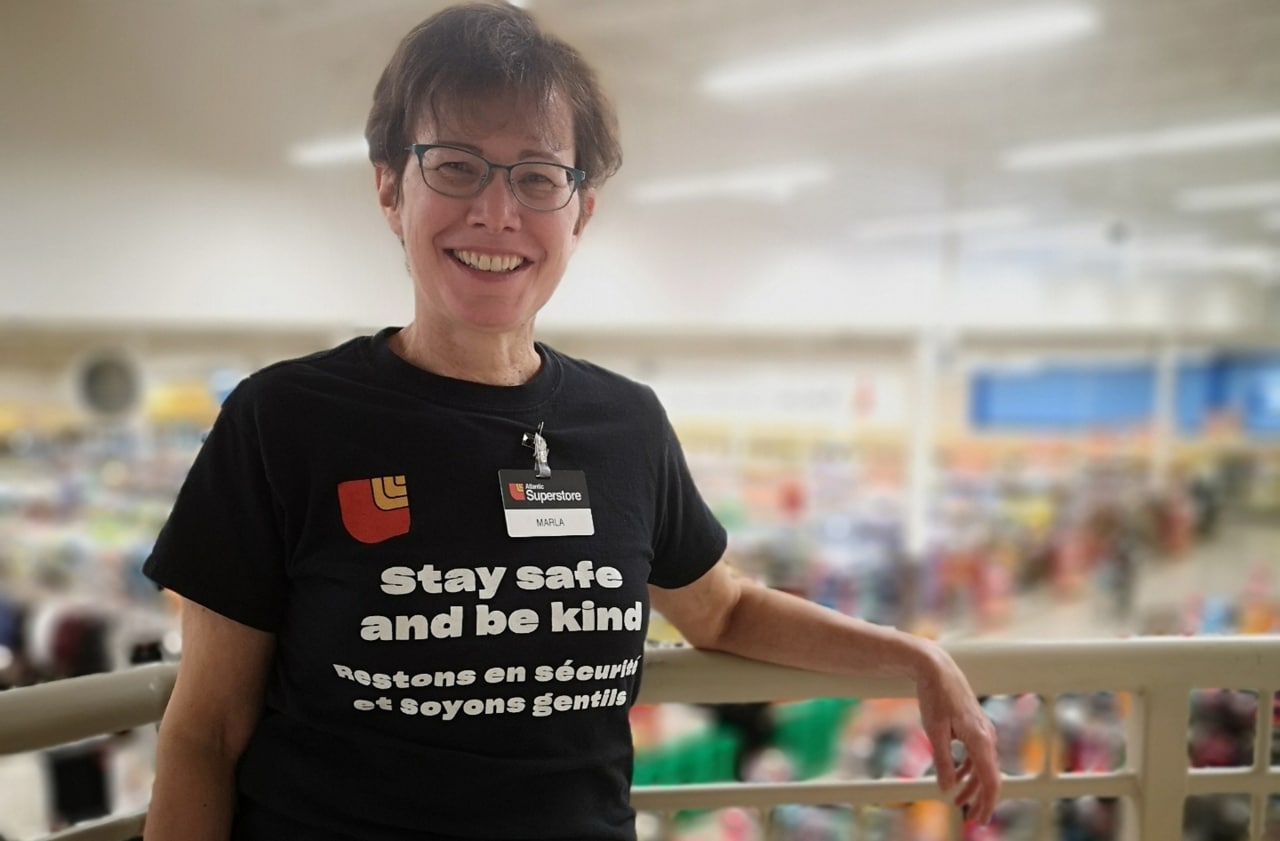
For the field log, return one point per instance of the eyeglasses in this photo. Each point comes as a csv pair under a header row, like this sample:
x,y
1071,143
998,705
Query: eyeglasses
x,y
460,174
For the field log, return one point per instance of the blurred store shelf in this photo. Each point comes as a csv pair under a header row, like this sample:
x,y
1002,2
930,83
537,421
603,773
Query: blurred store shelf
x,y
1173,595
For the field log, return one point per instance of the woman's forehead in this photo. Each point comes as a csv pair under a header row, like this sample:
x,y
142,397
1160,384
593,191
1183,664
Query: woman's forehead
x,y
539,122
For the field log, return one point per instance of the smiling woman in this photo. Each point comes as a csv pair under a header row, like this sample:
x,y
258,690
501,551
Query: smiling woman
x,y
374,493
486,257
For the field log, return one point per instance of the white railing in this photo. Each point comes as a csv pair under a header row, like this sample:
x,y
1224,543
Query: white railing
x,y
1158,674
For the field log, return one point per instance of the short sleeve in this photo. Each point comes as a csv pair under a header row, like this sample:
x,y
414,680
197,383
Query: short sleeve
x,y
689,540
222,545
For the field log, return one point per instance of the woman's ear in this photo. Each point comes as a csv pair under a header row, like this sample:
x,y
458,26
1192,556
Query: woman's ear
x,y
585,211
387,182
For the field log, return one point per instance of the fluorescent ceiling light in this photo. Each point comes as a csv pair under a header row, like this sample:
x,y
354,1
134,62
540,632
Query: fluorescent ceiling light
x,y
766,183
1168,141
1086,236
338,150
1017,30
1262,262
1230,197
936,224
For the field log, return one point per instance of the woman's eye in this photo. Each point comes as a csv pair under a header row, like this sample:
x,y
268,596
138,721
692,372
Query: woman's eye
x,y
458,167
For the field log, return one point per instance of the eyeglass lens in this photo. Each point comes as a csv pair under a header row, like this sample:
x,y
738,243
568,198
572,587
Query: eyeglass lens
x,y
538,186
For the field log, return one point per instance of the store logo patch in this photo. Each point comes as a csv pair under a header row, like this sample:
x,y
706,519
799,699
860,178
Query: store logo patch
x,y
374,510
516,489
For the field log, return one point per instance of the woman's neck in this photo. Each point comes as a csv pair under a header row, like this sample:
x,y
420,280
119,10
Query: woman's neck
x,y
489,359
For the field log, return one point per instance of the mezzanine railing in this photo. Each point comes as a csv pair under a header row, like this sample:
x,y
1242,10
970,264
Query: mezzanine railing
x,y
1158,674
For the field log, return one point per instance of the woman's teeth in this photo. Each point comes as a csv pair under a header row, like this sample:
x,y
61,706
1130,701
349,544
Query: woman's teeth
x,y
489,262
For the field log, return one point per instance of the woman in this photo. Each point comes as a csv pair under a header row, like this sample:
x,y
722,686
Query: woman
x,y
417,568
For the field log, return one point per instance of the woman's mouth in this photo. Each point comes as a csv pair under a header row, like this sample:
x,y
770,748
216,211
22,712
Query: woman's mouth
x,y
488,262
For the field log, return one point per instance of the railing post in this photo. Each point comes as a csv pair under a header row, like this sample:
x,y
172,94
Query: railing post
x,y
1160,727
1262,737
1046,823
1129,819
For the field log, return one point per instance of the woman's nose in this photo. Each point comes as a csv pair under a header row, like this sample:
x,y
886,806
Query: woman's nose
x,y
495,207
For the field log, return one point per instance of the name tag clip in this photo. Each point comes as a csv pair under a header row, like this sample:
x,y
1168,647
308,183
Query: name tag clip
x,y
534,440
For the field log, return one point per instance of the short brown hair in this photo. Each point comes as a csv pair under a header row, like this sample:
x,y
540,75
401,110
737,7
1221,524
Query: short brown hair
x,y
473,53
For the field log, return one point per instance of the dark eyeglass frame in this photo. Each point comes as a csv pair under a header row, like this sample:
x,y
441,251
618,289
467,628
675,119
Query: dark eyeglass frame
x,y
577,176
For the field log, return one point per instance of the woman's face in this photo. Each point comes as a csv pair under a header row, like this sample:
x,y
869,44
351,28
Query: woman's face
x,y
446,238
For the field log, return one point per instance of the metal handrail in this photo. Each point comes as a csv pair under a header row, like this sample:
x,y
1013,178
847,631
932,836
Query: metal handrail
x,y
1159,674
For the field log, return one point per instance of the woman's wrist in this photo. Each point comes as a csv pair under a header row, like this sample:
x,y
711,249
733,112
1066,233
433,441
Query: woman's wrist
x,y
923,658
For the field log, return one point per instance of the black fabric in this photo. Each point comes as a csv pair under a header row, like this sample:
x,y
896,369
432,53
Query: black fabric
x,y
451,736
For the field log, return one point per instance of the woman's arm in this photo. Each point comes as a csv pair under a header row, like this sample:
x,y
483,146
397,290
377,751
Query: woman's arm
x,y
215,704
722,612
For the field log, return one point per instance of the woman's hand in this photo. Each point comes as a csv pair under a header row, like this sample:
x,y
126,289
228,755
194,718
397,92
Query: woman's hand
x,y
950,710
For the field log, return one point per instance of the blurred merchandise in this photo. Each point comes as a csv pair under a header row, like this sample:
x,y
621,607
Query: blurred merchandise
x,y
79,511
1221,728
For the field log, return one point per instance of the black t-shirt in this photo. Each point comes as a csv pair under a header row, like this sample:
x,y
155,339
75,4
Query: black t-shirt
x,y
434,677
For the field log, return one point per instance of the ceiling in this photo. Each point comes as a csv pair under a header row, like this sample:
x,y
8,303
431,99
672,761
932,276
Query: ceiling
x,y
229,86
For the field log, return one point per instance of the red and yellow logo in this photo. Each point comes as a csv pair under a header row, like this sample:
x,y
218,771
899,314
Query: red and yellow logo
x,y
374,510
516,489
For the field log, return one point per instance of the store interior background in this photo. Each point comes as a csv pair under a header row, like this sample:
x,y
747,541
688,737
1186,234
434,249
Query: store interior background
x,y
974,330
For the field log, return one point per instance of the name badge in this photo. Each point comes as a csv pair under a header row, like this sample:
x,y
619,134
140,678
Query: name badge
x,y
546,507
